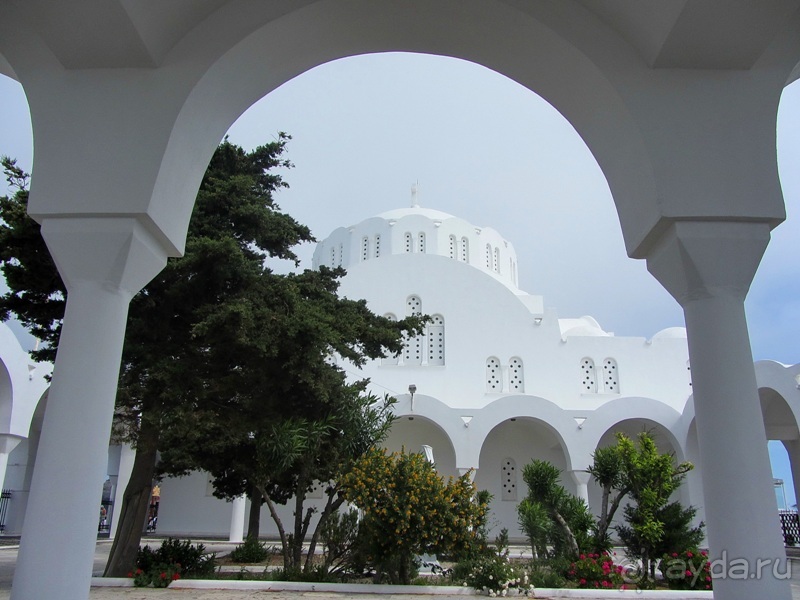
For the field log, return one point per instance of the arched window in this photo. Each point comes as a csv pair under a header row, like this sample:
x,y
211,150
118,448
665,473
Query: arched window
x,y
413,306
488,256
516,377
494,381
421,242
508,473
465,249
496,262
436,340
610,376
378,245
409,243
333,256
412,351
588,379
452,246
392,359
341,255
364,248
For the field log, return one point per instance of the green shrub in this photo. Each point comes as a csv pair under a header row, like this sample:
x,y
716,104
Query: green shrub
x,y
172,560
688,570
250,551
547,573
596,571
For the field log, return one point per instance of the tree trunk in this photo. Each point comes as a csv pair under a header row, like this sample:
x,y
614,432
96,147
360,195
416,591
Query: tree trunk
x,y
254,518
330,507
281,531
571,541
122,559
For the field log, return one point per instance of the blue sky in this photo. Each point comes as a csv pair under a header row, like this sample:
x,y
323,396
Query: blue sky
x,y
486,149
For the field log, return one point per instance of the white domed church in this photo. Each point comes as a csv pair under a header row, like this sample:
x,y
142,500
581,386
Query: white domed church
x,y
497,379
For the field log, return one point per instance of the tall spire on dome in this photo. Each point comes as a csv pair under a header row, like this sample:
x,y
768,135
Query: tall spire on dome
x,y
414,193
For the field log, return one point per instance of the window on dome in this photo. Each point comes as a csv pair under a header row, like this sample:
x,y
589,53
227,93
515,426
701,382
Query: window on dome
x,y
610,376
508,473
333,256
588,379
412,347
494,381
452,246
464,249
341,255
436,340
488,256
496,263
516,381
378,245
364,248
409,246
421,242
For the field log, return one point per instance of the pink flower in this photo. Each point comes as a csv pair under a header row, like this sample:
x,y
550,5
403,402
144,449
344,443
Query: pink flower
x,y
689,554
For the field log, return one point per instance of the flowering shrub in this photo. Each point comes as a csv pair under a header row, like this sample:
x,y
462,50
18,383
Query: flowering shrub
x,y
159,576
687,570
596,571
410,510
496,576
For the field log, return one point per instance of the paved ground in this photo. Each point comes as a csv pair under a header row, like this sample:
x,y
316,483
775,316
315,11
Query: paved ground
x,y
8,556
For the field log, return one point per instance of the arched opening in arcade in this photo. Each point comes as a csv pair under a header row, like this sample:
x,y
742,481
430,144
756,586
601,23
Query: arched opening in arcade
x,y
665,442
412,433
508,447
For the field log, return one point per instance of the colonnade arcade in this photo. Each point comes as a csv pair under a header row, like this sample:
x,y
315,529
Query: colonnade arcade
x,y
128,103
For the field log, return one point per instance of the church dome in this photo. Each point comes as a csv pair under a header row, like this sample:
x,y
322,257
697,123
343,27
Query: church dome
x,y
416,230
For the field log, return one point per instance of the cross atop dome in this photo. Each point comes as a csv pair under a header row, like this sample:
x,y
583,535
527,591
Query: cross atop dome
x,y
414,192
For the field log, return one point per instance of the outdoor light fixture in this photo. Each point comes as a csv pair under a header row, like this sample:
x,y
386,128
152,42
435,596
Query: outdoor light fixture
x,y
411,390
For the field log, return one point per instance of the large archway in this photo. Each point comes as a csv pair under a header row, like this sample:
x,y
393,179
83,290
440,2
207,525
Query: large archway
x,y
508,447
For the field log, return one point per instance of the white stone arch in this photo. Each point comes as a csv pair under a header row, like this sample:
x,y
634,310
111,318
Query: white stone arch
x,y
517,440
411,431
550,415
645,410
665,441
223,86
434,413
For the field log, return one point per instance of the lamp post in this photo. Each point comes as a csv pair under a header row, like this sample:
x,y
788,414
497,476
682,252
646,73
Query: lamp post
x,y
411,390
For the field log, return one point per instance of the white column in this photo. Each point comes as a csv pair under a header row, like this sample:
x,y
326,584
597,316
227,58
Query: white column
x,y
126,456
581,479
237,519
708,268
103,261
7,444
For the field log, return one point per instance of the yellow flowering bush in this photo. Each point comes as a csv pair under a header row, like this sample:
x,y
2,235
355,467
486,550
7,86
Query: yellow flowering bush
x,y
410,510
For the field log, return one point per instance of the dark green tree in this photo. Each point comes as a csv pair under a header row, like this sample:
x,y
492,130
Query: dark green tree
x,y
285,417
570,521
36,296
